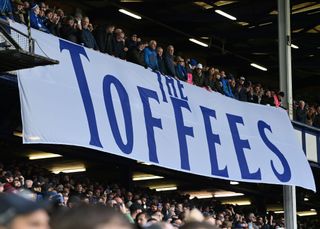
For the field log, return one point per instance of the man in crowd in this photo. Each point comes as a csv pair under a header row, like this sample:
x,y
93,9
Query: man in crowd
x,y
150,56
104,38
161,63
86,36
198,76
301,112
70,30
169,61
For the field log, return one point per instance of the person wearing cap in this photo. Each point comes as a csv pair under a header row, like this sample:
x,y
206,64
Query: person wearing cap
x,y
35,20
17,212
241,90
198,76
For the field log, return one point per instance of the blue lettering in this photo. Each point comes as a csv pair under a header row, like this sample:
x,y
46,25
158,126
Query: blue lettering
x,y
213,139
182,130
125,104
170,84
180,86
286,175
75,52
239,145
164,98
150,121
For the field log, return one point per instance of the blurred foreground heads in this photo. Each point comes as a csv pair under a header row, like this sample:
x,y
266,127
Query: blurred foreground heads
x,y
90,217
17,212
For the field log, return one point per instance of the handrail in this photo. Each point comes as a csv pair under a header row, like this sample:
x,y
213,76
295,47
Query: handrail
x,y
5,27
305,126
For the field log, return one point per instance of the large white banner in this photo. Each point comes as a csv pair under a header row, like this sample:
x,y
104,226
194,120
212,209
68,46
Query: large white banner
x,y
103,103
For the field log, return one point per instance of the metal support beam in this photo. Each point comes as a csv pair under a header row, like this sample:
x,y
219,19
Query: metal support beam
x,y
285,73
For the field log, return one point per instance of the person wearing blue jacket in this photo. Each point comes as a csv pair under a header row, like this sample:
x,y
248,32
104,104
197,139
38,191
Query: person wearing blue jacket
x,y
6,9
150,56
226,86
35,20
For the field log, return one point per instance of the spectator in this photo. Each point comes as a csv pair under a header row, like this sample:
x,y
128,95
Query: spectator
x,y
198,76
104,38
251,96
181,71
214,80
6,9
161,63
53,23
69,30
169,61
316,120
86,36
132,42
267,99
136,55
119,49
19,213
142,219
19,13
225,85
301,112
311,113
150,56
90,217
241,91
277,98
35,20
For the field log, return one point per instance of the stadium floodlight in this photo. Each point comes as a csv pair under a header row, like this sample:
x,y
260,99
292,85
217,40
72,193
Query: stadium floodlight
x,y
227,194
259,67
306,213
146,177
166,189
198,42
294,46
239,202
234,182
226,15
42,155
129,14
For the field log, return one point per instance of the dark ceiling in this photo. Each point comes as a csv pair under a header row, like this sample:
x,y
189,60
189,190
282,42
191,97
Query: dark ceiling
x,y
231,46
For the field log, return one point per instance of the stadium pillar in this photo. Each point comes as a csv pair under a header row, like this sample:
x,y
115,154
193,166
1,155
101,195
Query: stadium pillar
x,y
285,73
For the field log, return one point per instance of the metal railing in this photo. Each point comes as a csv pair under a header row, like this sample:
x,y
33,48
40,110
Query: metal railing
x,y
309,138
11,38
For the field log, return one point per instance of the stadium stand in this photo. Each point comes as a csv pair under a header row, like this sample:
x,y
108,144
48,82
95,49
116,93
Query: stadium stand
x,y
77,198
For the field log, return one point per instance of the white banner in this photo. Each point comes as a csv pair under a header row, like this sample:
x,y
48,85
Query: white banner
x,y
103,103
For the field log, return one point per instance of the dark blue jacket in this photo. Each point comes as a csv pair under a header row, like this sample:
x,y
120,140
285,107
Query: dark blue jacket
x,y
88,39
170,68
6,9
181,72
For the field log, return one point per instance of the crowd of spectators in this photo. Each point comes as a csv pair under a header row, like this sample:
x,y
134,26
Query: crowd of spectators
x,y
143,208
109,39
